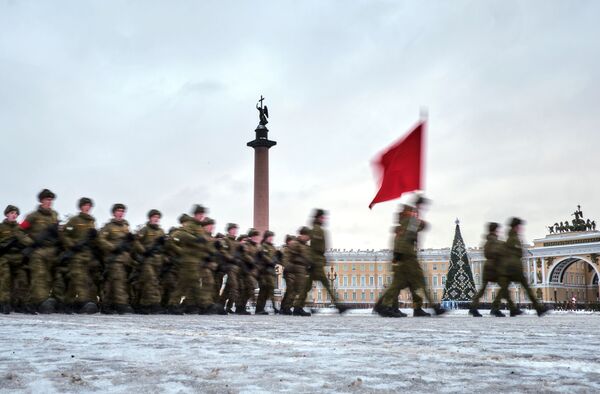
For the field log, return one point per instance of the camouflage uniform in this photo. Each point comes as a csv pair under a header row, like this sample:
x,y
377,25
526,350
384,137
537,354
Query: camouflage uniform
x,y
151,238
45,279
231,269
266,276
406,267
318,261
13,275
78,238
248,276
299,256
492,251
193,243
512,271
116,241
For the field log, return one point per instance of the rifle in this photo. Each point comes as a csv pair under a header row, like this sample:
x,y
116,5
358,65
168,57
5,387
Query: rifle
x,y
48,235
80,246
8,244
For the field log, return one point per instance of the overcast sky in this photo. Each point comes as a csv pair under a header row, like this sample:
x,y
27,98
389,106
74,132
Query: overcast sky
x,y
152,103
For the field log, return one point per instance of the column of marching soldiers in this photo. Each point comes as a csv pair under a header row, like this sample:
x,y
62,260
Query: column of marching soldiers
x,y
75,268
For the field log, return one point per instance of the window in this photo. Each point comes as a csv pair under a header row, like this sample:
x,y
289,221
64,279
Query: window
x,y
435,281
345,281
477,279
379,267
337,281
362,267
443,266
353,296
345,295
443,279
353,267
318,296
435,267
363,296
362,281
380,280
353,281
372,296
388,279
435,298
371,281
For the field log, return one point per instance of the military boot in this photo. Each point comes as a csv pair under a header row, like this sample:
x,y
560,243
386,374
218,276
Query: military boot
x,y
89,308
108,309
5,309
286,311
48,306
497,313
542,310
439,310
143,310
174,310
124,309
301,312
398,313
220,309
341,308
474,312
261,312
241,310
30,309
419,312
191,310
515,312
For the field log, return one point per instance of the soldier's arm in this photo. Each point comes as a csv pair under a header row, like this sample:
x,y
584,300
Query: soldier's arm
x,y
66,235
104,241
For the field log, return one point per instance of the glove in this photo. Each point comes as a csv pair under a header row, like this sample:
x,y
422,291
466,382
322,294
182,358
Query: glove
x,y
161,240
92,234
260,254
129,237
279,255
218,245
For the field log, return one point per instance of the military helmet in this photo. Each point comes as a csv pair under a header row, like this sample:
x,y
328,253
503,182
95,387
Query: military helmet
x,y
268,234
242,237
184,217
289,238
319,212
492,227
154,212
46,194
207,222
253,232
11,208
514,222
83,201
231,226
117,206
304,230
198,209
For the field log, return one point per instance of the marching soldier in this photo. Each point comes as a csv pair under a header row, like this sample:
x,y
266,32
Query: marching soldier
x,y
151,238
117,242
190,239
42,226
249,255
318,248
300,259
513,268
492,251
267,259
286,304
13,276
78,238
231,268
208,269
407,270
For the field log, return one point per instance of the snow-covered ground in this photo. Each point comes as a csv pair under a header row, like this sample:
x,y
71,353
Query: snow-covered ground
x,y
357,352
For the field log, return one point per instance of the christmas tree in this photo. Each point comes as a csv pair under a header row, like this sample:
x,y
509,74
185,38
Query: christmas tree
x,y
459,283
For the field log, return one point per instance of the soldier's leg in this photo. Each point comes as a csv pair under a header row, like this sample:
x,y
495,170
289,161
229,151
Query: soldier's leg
x,y
80,282
480,293
207,290
19,282
534,301
300,289
290,286
5,286
263,293
320,276
219,275
150,292
40,283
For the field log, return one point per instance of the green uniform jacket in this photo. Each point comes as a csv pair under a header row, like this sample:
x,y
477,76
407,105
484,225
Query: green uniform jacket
x,y
10,231
38,221
513,254
77,229
148,235
318,244
112,235
406,241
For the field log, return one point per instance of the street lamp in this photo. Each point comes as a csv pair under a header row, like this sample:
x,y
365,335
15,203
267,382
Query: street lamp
x,y
332,276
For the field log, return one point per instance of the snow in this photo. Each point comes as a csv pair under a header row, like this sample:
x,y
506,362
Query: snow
x,y
357,352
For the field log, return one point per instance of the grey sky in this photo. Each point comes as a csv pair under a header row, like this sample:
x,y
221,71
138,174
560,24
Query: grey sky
x,y
151,104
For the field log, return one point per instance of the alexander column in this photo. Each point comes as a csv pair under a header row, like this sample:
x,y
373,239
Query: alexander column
x,y
261,145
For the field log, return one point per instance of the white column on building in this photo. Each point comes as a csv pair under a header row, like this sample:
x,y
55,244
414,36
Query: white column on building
x,y
529,270
535,279
544,279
